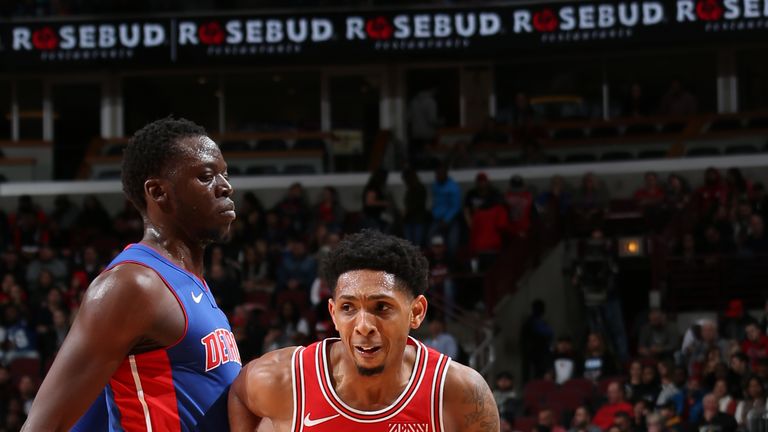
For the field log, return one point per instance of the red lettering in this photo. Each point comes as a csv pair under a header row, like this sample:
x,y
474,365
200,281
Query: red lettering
x,y
212,357
221,336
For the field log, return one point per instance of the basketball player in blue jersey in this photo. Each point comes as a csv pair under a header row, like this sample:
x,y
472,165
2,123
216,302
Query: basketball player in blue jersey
x,y
149,349
375,377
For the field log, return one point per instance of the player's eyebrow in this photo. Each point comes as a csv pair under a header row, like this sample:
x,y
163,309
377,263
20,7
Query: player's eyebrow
x,y
371,297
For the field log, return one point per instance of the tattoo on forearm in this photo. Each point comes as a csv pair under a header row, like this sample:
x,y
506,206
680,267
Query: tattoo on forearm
x,y
484,416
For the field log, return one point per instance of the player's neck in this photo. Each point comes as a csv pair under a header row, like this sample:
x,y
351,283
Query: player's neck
x,y
373,392
185,253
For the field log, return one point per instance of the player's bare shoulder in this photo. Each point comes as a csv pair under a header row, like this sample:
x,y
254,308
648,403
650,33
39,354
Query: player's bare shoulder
x,y
266,384
468,403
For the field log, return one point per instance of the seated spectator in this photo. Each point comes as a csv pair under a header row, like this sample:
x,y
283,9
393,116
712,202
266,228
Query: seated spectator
x,y
535,339
566,362
734,320
698,342
738,372
288,329
546,421
293,211
711,195
658,338
755,345
446,209
589,204
654,422
688,401
761,371
713,419
486,218
21,337
634,385
377,203
27,226
415,214
668,387
650,198
441,269
46,260
650,387
254,270
604,417
520,207
298,269
623,422
754,401
441,340
27,391
553,208
505,396
582,421
739,188
671,420
329,211
756,242
725,402
598,361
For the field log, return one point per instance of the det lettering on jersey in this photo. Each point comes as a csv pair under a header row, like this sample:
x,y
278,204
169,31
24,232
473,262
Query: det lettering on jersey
x,y
408,427
220,348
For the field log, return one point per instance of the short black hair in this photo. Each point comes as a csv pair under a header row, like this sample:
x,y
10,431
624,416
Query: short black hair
x,y
149,151
373,250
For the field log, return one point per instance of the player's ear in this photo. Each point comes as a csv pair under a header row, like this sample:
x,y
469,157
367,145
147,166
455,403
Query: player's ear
x,y
155,191
418,311
331,307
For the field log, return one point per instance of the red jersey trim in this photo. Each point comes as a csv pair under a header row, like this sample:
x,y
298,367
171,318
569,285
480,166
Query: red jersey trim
x,y
167,285
329,393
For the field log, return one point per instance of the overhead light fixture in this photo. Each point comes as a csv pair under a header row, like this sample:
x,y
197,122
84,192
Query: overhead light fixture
x,y
631,247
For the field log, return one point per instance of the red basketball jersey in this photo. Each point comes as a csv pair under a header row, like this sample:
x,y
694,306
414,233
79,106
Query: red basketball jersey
x,y
317,407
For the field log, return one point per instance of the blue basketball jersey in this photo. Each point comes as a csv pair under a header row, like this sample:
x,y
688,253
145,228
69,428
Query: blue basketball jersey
x,y
179,388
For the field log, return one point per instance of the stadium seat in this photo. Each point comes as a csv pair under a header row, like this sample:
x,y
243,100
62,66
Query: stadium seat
x,y
703,151
652,154
616,156
582,386
726,124
536,394
235,146
741,149
271,145
604,132
675,127
568,134
580,157
640,129
300,169
309,144
24,366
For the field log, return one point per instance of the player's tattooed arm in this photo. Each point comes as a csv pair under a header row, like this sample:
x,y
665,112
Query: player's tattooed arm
x,y
469,405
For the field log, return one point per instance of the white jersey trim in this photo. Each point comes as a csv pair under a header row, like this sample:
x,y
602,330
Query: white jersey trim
x,y
421,351
140,391
442,390
294,389
433,391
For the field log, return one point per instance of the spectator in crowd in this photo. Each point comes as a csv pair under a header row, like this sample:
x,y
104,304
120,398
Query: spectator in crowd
x,y
415,215
734,320
441,340
651,387
598,361
293,210
595,275
756,241
688,401
725,402
582,421
520,206
738,373
553,208
298,269
505,396
446,209
633,385
423,119
754,401
329,211
640,410
615,404
486,218
290,328
702,337
20,336
254,270
27,391
589,204
623,421
713,419
712,194
535,340
668,388
658,338
636,105
671,421
546,421
755,345
567,363
90,263
678,101
62,221
46,260
650,199
93,221
442,266
27,226
377,204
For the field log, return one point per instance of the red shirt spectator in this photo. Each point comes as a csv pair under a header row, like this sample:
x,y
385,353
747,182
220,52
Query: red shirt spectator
x,y
487,226
520,206
616,403
755,346
651,194
712,194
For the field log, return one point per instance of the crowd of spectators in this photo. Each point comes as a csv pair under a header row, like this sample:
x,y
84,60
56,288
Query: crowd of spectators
x,y
265,277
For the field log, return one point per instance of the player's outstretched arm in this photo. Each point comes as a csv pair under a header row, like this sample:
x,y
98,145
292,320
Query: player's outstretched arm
x,y
120,308
468,402
262,390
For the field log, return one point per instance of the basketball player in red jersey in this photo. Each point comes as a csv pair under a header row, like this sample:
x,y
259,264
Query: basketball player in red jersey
x,y
375,377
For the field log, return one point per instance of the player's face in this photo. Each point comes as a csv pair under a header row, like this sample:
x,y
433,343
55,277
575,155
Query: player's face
x,y
373,316
201,191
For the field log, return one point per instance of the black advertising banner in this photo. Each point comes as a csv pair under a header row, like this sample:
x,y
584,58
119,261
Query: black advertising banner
x,y
85,43
379,35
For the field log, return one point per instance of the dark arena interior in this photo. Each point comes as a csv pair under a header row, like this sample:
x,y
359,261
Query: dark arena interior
x,y
587,180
